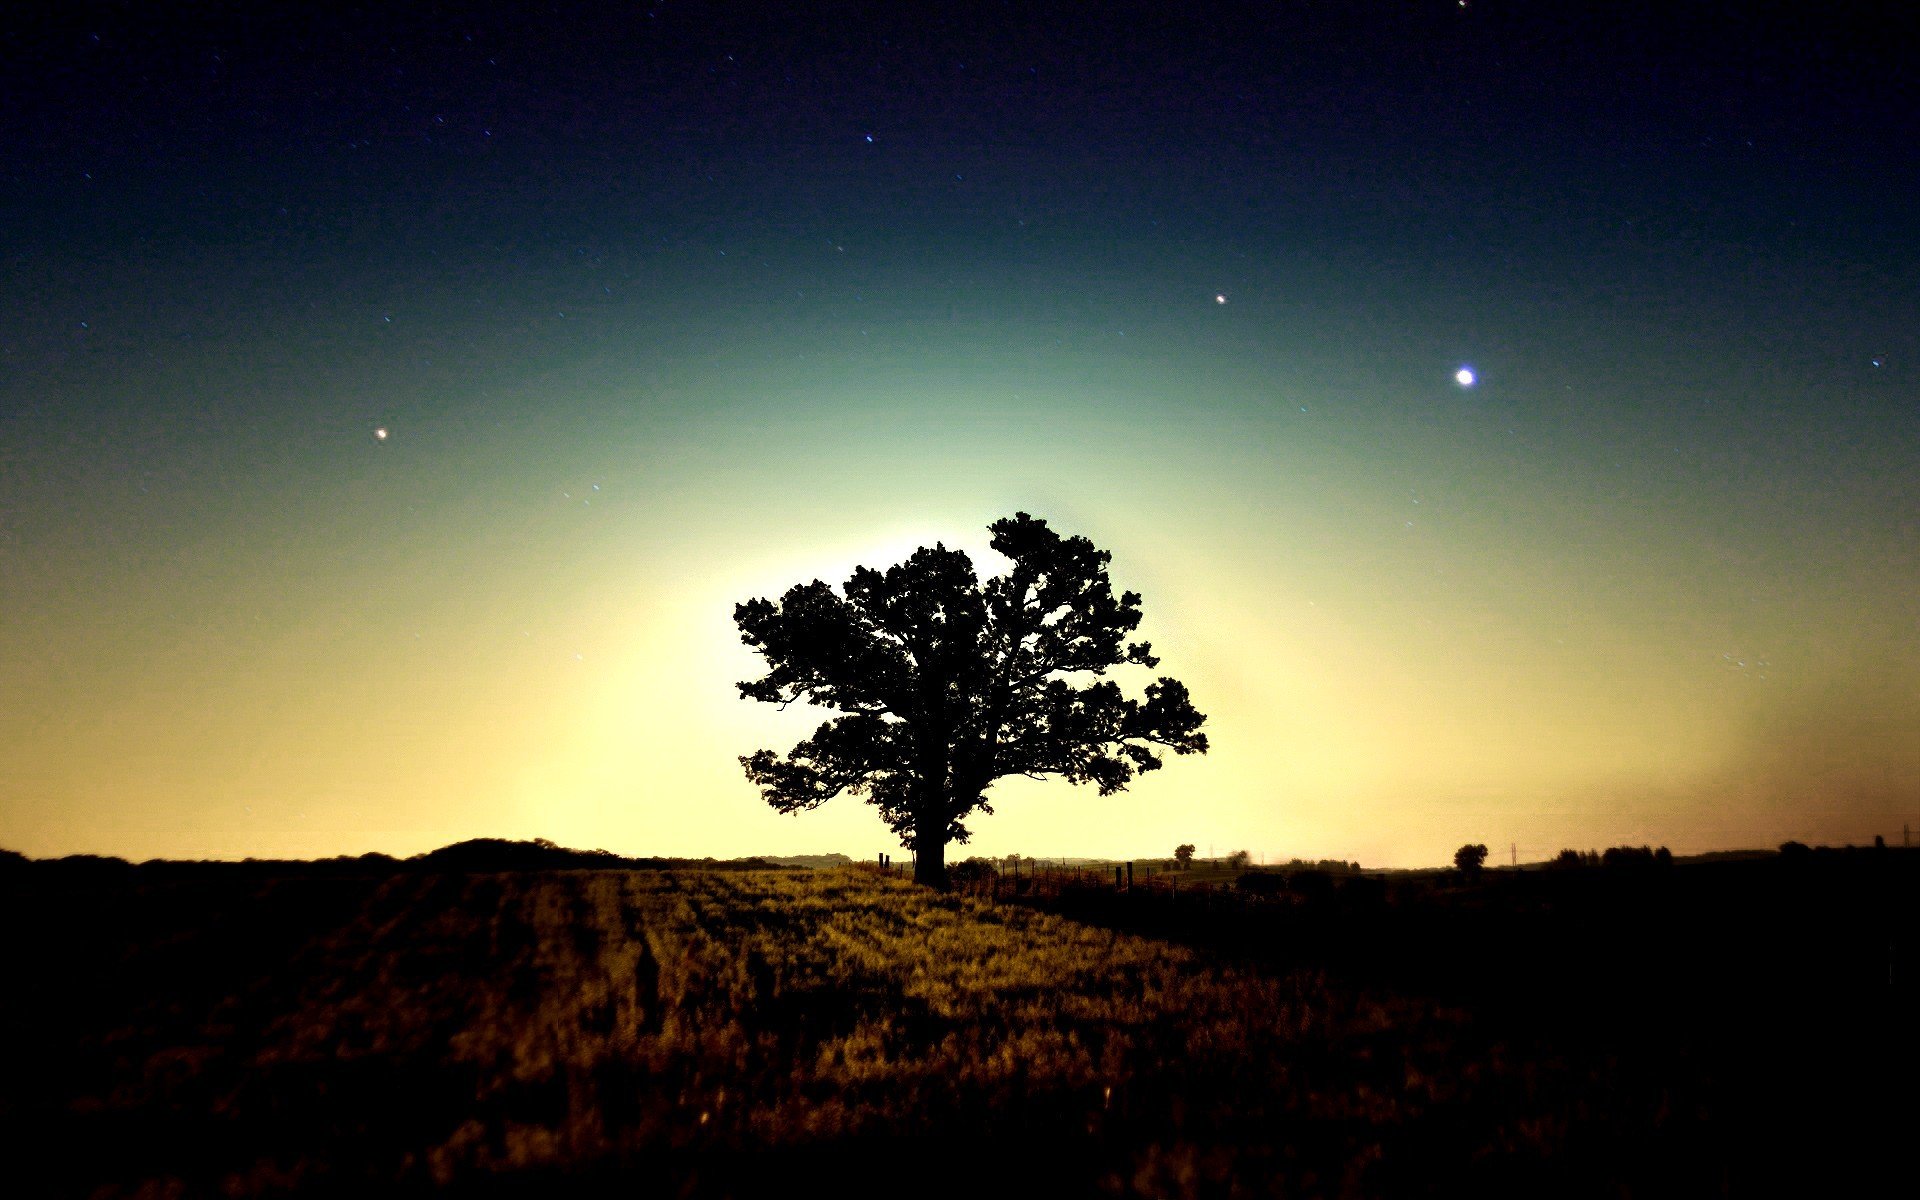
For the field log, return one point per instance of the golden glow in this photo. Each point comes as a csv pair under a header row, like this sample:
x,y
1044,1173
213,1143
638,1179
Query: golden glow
x,y
1407,633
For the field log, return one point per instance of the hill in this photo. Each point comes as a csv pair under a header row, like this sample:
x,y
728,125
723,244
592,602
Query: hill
x,y
473,855
812,862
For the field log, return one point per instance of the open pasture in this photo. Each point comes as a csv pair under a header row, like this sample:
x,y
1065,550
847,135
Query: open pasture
x,y
712,1033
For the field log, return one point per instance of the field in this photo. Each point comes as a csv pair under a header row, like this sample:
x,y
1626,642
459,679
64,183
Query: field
x,y
694,1032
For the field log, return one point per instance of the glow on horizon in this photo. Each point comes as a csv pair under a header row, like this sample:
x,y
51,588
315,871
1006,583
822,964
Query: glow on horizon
x,y
1399,647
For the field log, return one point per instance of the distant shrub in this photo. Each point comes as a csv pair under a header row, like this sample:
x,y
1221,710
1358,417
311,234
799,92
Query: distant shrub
x,y
1470,858
1793,850
1239,860
1630,858
972,871
1332,866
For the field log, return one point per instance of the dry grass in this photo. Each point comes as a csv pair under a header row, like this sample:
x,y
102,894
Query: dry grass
x,y
611,1017
712,1033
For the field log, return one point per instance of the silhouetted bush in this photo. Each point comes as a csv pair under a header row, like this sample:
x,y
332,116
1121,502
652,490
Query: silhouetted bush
x,y
1635,858
1470,858
1794,850
971,872
1332,866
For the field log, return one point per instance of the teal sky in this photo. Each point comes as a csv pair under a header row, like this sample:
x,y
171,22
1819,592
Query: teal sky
x,y
1651,578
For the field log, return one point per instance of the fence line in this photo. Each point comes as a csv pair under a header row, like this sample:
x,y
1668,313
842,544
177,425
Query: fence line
x,y
1048,879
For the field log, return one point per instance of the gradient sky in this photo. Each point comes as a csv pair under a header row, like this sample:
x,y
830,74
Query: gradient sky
x,y
667,306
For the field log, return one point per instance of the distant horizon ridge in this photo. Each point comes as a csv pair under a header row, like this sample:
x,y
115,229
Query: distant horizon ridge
x,y
511,854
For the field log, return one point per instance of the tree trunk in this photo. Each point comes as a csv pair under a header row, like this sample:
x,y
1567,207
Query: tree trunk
x,y
930,853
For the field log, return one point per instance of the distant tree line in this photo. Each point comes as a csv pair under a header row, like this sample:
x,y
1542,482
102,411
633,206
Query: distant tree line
x,y
1615,858
1241,860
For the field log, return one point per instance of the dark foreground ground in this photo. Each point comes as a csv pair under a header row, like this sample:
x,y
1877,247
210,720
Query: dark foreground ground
x,y
1734,1028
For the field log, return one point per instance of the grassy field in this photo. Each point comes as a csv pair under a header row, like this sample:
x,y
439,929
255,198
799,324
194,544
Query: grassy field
x,y
709,1033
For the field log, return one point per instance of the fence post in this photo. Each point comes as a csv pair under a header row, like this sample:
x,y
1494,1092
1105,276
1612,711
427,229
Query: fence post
x,y
1116,878
1129,874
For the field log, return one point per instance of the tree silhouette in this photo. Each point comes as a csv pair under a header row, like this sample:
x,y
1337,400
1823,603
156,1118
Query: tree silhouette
x,y
948,683
1183,854
1470,858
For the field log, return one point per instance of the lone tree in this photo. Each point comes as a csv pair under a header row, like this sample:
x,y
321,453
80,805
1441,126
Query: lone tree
x,y
1183,854
947,683
1470,858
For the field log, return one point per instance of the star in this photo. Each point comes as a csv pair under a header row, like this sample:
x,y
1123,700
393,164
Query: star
x,y
1220,298
380,434
1464,377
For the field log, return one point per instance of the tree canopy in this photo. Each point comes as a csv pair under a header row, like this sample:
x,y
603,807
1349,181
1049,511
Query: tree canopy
x,y
946,683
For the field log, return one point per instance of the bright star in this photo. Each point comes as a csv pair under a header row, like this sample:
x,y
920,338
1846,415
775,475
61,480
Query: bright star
x,y
1464,377
1220,298
380,434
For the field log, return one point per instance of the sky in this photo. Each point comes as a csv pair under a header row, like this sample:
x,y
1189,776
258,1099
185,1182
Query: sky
x,y
394,404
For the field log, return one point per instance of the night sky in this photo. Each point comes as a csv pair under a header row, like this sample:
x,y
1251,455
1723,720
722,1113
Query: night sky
x,y
394,403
